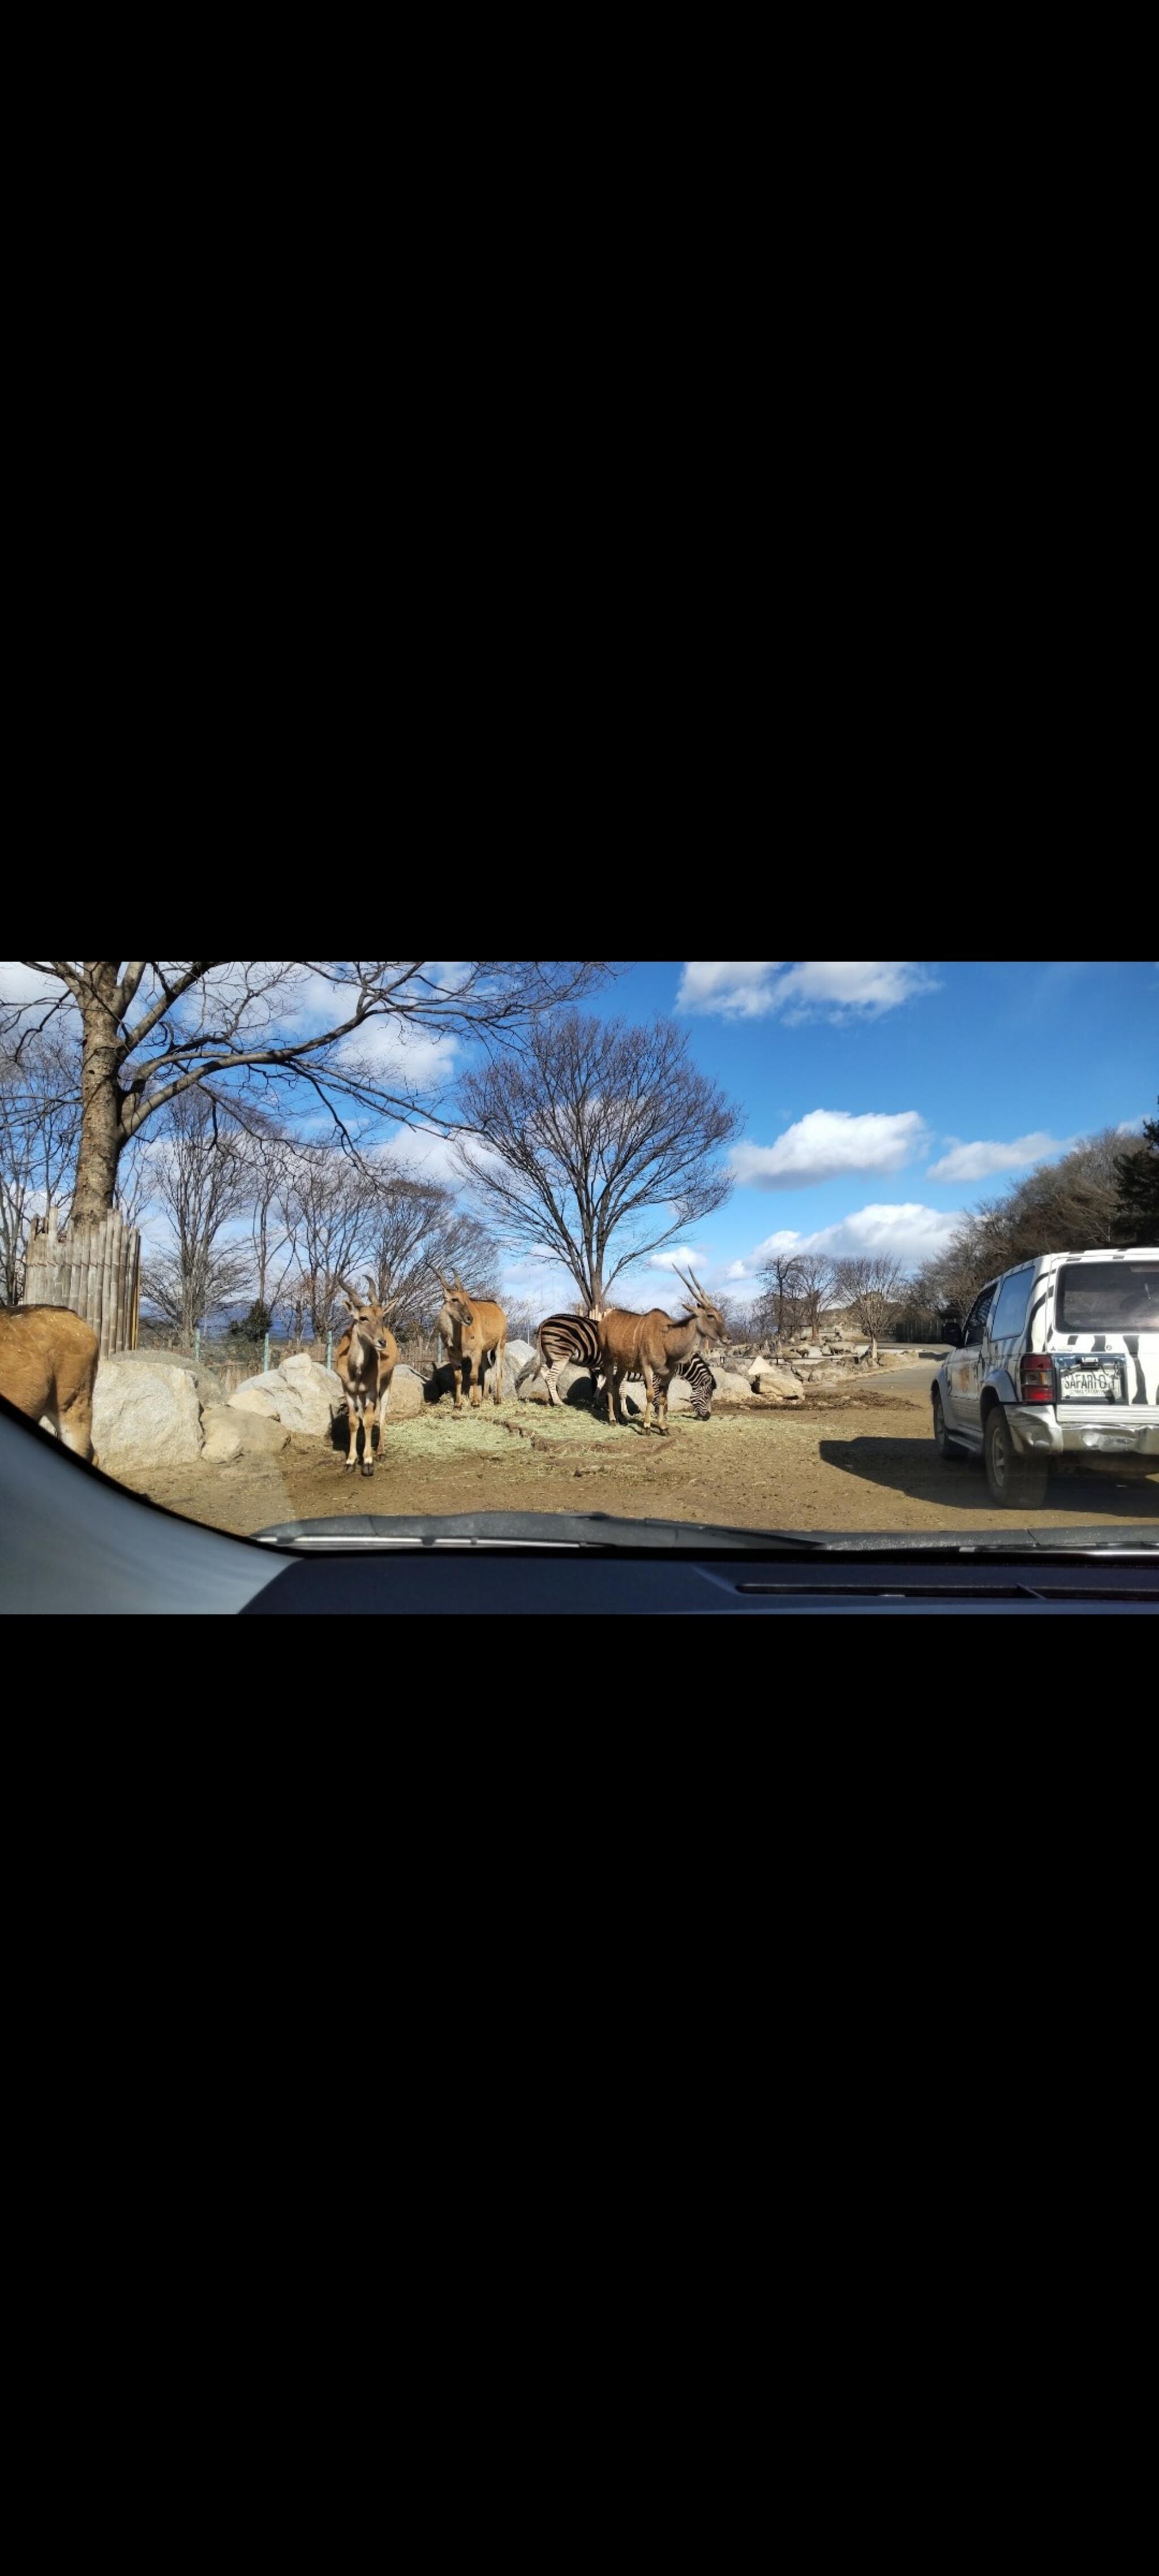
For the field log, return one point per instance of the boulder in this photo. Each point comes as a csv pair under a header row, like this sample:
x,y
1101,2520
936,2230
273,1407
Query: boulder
x,y
207,1385
777,1384
230,1436
301,1394
256,1395
407,1395
731,1389
520,1352
145,1412
573,1384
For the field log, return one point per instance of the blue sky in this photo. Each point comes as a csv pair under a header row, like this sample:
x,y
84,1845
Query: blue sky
x,y
881,1100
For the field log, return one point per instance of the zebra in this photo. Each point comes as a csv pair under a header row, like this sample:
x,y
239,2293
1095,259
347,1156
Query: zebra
x,y
576,1338
561,1338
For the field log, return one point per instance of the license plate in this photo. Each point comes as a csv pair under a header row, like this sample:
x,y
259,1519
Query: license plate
x,y
1098,1381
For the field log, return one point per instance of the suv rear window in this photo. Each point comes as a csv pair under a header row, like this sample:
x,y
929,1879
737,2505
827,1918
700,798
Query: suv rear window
x,y
1108,1297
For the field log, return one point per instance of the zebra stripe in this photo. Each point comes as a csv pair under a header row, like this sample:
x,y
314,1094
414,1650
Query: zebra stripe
x,y
568,1337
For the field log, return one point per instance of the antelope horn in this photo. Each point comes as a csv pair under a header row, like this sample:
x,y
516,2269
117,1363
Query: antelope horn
x,y
687,1283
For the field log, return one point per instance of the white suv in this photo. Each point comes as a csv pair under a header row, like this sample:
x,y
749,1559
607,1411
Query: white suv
x,y
1057,1365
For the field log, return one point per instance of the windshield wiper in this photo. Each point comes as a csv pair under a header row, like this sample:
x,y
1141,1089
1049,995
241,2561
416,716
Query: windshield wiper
x,y
604,1533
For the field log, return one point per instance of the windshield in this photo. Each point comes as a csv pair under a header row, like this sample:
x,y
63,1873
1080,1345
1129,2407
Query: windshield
x,y
704,1243
1109,1297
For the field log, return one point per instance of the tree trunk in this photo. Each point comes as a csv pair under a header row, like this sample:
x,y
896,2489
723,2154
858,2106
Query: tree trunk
x,y
101,1134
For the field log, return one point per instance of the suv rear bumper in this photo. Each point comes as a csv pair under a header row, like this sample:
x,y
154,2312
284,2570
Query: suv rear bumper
x,y
1089,1433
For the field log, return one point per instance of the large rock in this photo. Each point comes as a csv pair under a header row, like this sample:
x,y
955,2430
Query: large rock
x,y
574,1386
230,1436
207,1385
407,1395
777,1385
145,1412
520,1352
301,1395
731,1388
256,1395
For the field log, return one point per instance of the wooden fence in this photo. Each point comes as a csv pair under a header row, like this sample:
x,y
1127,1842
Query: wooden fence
x,y
95,1269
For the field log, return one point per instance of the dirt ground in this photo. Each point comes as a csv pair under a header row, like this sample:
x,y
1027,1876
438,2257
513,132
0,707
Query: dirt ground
x,y
862,1460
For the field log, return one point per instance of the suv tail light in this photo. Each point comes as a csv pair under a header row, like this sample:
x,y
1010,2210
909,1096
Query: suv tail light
x,y
1036,1379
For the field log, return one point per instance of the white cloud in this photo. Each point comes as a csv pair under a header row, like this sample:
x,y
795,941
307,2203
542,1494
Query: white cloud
x,y
398,1055
841,991
741,992
974,1162
1130,1127
684,1256
828,1142
911,1232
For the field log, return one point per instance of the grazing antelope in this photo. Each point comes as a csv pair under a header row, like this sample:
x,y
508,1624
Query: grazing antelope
x,y
652,1346
48,1365
473,1332
366,1359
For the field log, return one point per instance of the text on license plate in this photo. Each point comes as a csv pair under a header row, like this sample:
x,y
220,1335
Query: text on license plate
x,y
1090,1382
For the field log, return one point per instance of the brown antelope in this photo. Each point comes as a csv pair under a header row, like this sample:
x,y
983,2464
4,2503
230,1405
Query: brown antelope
x,y
366,1359
472,1330
652,1346
48,1365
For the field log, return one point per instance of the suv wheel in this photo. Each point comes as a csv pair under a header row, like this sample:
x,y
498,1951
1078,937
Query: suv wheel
x,y
1017,1484
946,1446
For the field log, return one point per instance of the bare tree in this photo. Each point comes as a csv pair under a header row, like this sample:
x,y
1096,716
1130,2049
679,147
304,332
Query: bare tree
x,y
199,1178
1066,1206
782,1283
869,1284
39,1125
334,1232
814,1288
151,1030
596,1146
418,1228
1137,1171
271,1163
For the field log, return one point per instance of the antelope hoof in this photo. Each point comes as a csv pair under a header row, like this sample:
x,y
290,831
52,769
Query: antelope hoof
x,y
368,1466
351,1464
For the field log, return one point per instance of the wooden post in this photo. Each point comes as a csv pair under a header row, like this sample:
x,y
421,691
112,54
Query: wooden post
x,y
108,1277
119,1250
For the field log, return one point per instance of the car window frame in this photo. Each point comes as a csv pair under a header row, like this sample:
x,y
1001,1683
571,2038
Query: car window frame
x,y
979,1315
